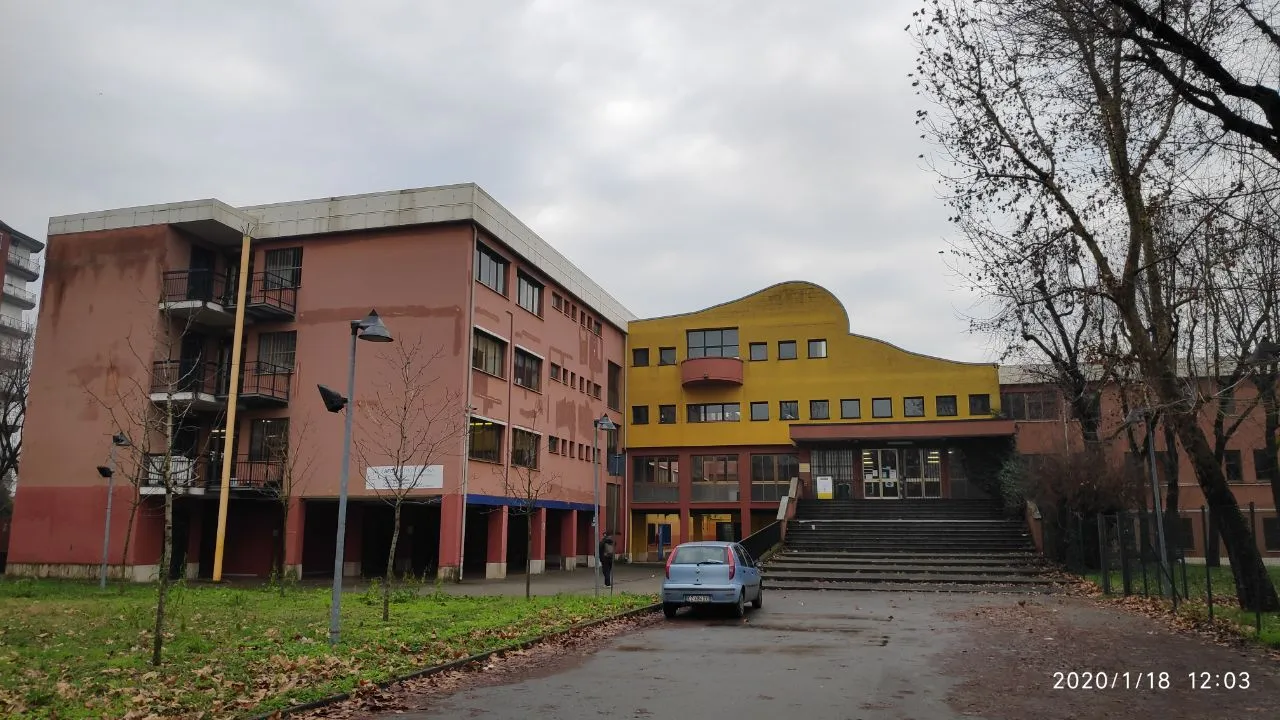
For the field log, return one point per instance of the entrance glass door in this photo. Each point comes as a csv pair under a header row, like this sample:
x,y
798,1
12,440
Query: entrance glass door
x,y
881,475
912,473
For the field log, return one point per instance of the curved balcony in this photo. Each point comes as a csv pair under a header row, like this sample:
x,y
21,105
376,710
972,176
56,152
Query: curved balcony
x,y
711,371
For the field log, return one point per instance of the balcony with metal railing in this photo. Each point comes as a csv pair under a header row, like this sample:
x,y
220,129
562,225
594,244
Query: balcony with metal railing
x,y
27,267
716,491
271,296
262,385
16,327
189,383
20,296
198,296
201,473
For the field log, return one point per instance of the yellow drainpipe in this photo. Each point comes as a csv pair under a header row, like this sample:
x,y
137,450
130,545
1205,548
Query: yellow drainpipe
x,y
233,396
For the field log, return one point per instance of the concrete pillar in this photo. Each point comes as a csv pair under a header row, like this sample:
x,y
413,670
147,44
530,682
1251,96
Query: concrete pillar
x,y
685,531
538,554
293,534
586,543
450,553
496,547
569,539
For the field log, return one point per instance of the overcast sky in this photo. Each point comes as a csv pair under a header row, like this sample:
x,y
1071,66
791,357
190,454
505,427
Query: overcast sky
x,y
681,153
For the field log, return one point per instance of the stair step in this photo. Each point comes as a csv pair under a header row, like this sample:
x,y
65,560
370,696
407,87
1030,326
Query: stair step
x,y
890,577
962,561
823,571
910,587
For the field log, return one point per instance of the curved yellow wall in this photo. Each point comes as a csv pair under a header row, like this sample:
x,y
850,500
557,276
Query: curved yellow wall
x,y
855,367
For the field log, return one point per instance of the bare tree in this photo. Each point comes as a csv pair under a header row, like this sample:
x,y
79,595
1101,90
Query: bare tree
x,y
293,456
15,380
412,423
523,479
1047,132
150,402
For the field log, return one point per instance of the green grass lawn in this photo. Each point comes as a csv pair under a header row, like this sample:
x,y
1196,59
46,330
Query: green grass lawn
x,y
69,650
1225,605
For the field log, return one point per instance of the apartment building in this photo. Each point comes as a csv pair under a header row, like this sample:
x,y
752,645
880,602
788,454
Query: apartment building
x,y
728,404
139,322
21,268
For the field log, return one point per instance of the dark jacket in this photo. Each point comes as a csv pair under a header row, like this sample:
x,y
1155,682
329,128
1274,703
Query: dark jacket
x,y
606,549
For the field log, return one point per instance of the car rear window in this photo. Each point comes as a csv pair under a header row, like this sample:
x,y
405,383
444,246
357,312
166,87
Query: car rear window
x,y
694,554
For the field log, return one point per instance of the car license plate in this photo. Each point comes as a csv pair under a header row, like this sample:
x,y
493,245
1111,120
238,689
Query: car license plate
x,y
698,598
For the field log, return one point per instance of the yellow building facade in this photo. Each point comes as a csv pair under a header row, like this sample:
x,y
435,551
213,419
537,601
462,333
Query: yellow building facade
x,y
730,403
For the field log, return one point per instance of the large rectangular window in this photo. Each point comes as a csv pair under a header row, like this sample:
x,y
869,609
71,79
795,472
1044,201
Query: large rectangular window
x,y
850,409
284,268
774,468
489,354
484,441
529,294
722,342
528,370
715,412
656,469
491,269
269,439
714,468
276,351
980,404
524,448
614,383
1035,405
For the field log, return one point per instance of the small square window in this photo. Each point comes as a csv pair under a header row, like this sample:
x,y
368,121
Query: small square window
x,y
640,357
553,445
759,351
759,411
850,409
667,356
789,410
979,404
946,406
555,372
913,407
666,414
881,407
786,349
819,409
817,348
639,414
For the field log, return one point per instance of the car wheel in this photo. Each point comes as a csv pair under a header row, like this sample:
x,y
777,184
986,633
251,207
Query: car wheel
x,y
670,609
740,607
759,601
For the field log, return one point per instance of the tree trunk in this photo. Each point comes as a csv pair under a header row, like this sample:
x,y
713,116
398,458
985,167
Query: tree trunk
x,y
1254,589
1090,416
391,559
1271,428
528,557
166,551
128,535
282,543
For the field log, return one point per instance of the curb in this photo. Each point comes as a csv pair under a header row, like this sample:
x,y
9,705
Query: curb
x,y
457,664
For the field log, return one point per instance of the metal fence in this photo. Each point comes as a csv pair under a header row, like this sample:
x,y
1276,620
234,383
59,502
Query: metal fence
x,y
760,542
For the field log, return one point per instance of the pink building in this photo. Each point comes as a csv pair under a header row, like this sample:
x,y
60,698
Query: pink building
x,y
138,323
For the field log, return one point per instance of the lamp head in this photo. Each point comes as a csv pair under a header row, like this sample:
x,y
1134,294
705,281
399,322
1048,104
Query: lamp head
x,y
105,471
372,328
604,423
332,399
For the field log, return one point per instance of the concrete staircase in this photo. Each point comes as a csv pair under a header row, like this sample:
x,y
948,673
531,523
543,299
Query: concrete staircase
x,y
920,545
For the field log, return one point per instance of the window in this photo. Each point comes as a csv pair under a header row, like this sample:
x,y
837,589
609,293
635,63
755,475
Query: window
x,y
269,439
491,269
276,351
666,414
850,409
597,327
614,379
715,412
817,348
573,380
557,302
484,440
819,410
788,409
573,312
528,370
640,357
489,354
759,351
1231,465
529,294
667,356
555,372
979,404
595,390
639,414
553,445
786,349
945,406
913,407
1036,405
714,468
284,268
1262,463
524,448
759,411
658,469
881,407
713,343
774,468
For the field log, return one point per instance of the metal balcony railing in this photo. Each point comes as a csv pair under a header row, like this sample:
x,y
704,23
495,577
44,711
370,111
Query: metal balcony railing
x,y
184,376
21,294
655,492
201,285
716,491
182,471
29,264
258,380
269,293
13,324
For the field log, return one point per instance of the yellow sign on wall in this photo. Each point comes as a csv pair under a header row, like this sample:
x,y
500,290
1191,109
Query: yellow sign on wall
x,y
824,487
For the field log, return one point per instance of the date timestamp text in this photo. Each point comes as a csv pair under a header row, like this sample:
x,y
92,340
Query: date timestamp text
x,y
1149,680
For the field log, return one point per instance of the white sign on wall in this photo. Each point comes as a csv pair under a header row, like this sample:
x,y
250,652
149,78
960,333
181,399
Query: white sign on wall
x,y
410,477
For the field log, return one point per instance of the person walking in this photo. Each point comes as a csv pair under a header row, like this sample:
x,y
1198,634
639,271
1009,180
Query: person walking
x,y
606,558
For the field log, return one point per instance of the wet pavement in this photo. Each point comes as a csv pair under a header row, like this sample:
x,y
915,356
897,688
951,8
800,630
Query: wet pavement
x,y
805,654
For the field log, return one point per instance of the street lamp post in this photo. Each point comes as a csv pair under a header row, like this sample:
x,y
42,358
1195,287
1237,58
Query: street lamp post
x,y
606,424
371,329
108,471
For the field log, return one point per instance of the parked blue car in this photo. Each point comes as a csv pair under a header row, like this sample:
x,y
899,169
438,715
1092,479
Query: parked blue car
x,y
711,573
